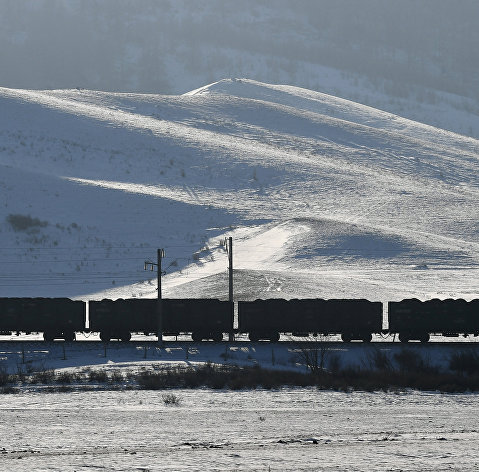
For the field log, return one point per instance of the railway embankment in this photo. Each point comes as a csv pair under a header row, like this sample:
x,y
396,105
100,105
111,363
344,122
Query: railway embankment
x,y
93,365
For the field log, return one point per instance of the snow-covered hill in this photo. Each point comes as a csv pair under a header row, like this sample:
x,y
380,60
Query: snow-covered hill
x,y
416,59
324,197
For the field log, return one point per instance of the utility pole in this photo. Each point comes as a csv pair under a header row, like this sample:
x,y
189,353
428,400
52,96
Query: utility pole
x,y
159,306
229,249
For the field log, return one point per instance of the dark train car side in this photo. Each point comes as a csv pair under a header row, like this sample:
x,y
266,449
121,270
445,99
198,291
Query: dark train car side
x,y
117,319
202,318
414,319
352,319
56,318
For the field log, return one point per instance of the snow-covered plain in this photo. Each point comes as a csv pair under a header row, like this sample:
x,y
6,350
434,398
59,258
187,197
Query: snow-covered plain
x,y
286,429
290,429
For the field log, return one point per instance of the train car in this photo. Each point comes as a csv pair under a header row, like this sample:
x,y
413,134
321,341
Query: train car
x,y
202,318
117,319
413,319
56,318
352,319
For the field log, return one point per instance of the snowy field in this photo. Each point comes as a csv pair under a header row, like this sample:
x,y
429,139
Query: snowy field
x,y
300,429
290,429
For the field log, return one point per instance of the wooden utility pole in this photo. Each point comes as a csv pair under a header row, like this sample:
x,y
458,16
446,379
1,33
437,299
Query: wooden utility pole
x,y
229,248
159,306
160,254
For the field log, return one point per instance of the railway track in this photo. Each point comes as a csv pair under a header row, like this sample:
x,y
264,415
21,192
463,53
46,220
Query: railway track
x,y
463,343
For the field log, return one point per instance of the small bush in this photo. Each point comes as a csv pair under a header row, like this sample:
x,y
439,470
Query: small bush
x,y
65,377
152,381
314,353
411,361
42,377
25,222
170,399
97,376
378,360
4,377
334,363
465,362
116,377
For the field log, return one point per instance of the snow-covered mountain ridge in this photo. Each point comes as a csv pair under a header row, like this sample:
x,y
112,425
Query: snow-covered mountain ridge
x,y
323,196
415,59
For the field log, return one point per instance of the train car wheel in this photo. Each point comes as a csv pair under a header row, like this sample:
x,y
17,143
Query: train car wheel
x,y
69,337
254,337
367,337
346,338
125,337
105,336
48,336
196,337
274,337
403,337
424,338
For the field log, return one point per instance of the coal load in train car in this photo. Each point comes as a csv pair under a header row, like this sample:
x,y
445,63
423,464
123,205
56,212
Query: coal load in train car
x,y
267,319
56,318
202,318
414,319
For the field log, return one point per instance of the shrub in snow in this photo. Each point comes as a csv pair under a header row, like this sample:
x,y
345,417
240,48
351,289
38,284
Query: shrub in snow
x,y
4,377
314,353
411,361
116,376
65,377
43,377
377,359
171,399
25,222
98,376
465,362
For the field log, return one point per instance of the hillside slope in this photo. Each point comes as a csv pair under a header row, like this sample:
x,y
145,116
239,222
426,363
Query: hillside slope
x,y
416,59
323,196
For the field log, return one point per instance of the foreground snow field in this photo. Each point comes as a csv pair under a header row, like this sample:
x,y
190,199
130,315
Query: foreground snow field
x,y
290,429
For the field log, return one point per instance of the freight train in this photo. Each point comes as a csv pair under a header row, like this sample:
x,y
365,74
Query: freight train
x,y
260,320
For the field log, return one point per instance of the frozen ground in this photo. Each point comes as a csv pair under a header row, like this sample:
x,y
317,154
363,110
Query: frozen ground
x,y
145,353
290,429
